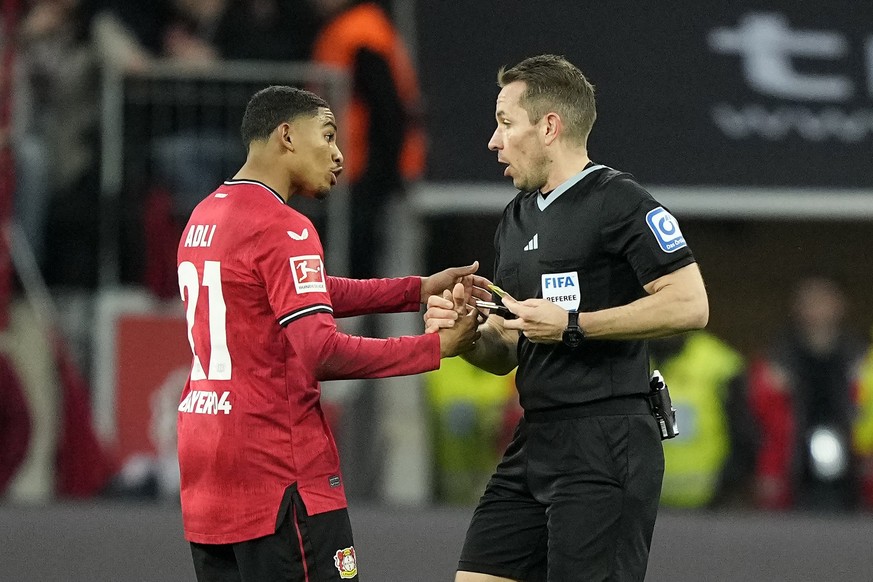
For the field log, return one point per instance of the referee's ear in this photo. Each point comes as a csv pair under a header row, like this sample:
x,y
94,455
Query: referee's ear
x,y
553,127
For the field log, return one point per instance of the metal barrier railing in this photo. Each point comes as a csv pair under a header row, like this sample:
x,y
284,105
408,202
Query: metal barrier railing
x,y
177,108
157,120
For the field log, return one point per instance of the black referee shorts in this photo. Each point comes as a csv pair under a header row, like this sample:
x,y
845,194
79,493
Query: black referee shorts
x,y
305,548
572,499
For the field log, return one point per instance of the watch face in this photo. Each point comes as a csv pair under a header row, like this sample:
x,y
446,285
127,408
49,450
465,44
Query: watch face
x,y
572,337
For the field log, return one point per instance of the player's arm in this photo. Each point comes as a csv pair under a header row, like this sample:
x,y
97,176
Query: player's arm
x,y
674,303
333,355
297,290
351,297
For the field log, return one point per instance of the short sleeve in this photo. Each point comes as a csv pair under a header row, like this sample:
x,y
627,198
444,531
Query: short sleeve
x,y
500,271
496,256
289,260
644,232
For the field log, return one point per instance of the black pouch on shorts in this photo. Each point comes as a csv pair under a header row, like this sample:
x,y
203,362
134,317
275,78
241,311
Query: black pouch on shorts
x,y
662,406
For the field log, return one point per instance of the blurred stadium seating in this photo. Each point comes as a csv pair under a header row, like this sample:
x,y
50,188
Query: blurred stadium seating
x,y
768,170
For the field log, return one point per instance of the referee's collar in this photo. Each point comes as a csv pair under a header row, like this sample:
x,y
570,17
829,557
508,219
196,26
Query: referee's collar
x,y
543,200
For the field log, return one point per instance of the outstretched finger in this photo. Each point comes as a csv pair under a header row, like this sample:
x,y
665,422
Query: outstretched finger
x,y
441,313
516,324
481,293
458,272
459,298
440,302
513,305
434,325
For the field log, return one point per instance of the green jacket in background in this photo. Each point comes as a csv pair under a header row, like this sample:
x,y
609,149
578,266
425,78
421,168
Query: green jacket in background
x,y
699,377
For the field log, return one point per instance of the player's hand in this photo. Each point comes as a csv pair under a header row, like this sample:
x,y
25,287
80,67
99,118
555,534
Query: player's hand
x,y
474,285
462,335
441,313
540,320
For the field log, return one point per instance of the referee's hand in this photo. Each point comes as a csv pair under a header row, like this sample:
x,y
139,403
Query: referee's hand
x,y
540,320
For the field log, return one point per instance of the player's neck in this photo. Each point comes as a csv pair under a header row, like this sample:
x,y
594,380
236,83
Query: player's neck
x,y
565,165
268,174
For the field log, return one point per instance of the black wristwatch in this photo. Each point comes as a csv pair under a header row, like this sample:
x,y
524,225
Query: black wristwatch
x,y
573,335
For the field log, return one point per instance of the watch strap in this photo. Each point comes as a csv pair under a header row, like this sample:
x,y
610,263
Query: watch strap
x,y
572,319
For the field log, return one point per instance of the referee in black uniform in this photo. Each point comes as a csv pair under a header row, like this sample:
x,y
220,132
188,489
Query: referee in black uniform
x,y
597,266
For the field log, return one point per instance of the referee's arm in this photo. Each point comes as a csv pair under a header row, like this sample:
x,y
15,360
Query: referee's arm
x,y
674,303
495,351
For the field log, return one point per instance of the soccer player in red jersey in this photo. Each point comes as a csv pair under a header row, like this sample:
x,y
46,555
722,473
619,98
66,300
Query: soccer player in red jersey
x,y
262,493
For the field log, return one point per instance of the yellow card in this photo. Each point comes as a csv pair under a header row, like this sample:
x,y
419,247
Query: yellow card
x,y
497,290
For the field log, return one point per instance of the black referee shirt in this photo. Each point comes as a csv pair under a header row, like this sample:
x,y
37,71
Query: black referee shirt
x,y
587,247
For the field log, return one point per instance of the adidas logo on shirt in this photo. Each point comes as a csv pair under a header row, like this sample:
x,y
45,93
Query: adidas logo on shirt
x,y
533,244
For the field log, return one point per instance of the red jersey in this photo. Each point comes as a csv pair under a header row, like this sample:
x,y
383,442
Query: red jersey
x,y
250,423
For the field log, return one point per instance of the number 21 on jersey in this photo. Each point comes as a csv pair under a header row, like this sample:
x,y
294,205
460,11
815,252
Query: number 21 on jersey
x,y
189,284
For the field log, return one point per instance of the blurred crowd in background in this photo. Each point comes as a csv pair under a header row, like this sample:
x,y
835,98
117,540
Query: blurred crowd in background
x,y
786,426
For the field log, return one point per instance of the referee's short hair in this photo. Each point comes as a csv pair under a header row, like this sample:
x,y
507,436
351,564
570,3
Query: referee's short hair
x,y
554,84
274,105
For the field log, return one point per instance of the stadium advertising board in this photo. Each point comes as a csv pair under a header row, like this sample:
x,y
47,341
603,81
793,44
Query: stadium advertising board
x,y
745,93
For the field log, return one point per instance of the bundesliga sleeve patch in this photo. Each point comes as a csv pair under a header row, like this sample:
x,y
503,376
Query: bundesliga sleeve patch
x,y
666,230
308,272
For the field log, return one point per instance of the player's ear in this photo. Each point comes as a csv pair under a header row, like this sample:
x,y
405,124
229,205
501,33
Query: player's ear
x,y
284,131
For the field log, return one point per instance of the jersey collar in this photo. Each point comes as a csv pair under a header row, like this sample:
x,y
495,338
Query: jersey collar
x,y
543,203
256,183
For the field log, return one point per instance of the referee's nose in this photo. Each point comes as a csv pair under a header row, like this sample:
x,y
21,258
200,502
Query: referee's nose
x,y
337,156
496,141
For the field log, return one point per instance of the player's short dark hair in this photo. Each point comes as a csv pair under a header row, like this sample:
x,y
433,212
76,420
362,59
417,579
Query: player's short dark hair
x,y
274,105
554,84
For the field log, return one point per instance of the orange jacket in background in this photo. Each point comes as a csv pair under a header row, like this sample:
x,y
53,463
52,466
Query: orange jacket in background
x,y
366,26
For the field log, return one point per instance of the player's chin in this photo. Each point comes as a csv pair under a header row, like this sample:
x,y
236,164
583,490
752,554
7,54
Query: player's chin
x,y
321,193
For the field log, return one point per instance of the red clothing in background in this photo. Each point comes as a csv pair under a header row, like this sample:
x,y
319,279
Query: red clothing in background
x,y
14,423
